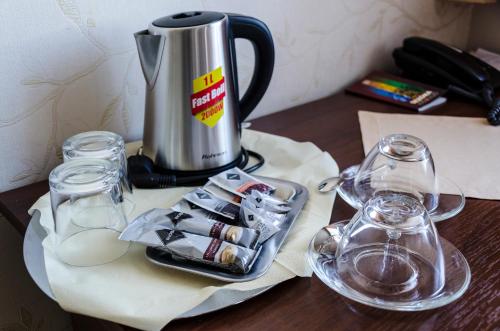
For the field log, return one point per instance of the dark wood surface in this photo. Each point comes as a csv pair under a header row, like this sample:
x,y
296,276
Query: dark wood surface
x,y
308,304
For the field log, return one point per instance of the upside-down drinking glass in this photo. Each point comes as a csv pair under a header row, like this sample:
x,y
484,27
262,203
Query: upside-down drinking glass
x,y
99,145
88,217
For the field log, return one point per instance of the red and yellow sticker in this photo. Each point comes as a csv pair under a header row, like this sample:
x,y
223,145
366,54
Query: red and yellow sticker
x,y
207,100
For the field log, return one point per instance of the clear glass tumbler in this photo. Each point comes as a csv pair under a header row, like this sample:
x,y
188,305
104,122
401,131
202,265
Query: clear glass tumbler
x,y
100,145
88,217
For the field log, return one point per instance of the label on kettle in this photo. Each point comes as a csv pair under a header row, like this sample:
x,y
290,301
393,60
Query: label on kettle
x,y
207,100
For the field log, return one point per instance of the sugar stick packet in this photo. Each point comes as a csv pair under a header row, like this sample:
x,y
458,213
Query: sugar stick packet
x,y
267,202
265,213
193,247
212,203
223,194
195,210
266,227
158,219
240,183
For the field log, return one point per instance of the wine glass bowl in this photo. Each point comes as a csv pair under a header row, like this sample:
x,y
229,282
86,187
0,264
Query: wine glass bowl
x,y
399,163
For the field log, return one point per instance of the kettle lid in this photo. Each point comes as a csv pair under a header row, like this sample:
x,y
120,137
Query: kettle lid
x,y
187,19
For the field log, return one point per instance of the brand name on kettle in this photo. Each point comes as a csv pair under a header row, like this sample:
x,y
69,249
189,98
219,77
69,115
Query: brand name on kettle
x,y
212,155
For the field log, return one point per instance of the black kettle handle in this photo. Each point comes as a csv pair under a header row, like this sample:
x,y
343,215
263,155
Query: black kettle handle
x,y
259,35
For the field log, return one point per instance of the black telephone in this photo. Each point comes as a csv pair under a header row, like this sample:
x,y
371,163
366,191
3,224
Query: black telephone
x,y
457,71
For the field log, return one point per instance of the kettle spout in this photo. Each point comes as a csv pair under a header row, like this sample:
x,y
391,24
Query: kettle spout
x,y
150,48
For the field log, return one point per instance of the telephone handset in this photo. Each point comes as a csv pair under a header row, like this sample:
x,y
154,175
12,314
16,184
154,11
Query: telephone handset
x,y
447,67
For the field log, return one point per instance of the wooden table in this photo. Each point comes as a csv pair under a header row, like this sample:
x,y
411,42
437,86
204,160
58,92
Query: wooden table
x,y
308,304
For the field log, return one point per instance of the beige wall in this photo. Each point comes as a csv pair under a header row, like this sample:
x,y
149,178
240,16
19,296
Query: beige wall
x,y
485,27
71,65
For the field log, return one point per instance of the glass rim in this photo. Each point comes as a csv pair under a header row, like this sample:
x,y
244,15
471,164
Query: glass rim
x,y
93,144
84,176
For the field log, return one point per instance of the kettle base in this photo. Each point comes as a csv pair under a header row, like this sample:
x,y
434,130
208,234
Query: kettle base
x,y
144,174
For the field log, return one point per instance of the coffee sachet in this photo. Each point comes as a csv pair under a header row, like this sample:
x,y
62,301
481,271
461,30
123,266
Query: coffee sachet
x,y
223,194
174,220
240,183
193,247
212,203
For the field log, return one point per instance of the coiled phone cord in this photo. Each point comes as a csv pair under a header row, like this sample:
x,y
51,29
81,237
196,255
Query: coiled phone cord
x,y
144,174
488,95
494,113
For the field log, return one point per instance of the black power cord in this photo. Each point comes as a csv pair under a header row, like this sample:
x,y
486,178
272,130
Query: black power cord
x,y
144,174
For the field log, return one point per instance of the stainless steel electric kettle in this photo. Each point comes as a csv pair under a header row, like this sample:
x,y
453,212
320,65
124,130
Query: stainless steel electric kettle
x,y
193,111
